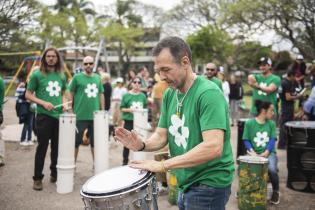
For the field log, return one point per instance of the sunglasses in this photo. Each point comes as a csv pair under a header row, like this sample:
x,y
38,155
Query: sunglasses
x,y
136,82
209,69
91,63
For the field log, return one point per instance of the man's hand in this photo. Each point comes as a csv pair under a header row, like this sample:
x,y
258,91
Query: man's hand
x,y
48,106
149,165
128,139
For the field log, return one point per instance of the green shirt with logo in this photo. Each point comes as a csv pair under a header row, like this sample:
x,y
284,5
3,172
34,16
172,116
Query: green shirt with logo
x,y
204,108
86,91
260,95
133,101
48,87
259,134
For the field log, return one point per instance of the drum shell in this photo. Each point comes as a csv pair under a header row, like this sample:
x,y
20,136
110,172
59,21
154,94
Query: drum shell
x,y
252,185
300,133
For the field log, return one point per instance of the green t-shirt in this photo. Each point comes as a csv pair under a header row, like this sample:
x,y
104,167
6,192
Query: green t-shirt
x,y
48,87
1,93
86,95
217,81
204,108
134,101
259,134
260,95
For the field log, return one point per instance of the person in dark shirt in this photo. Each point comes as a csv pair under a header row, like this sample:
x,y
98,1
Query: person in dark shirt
x,y
235,96
287,96
107,90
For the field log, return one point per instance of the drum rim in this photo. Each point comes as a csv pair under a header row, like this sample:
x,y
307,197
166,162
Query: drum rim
x,y
119,191
243,159
292,124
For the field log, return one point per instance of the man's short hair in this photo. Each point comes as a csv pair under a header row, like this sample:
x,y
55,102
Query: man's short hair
x,y
177,46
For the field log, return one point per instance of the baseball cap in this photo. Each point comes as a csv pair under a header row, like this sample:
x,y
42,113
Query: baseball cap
x,y
120,80
265,60
299,57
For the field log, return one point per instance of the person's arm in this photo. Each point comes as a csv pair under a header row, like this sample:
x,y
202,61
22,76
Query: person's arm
x,y
102,101
252,81
269,89
31,97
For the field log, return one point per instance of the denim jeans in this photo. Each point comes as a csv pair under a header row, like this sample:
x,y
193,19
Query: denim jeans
x,y
28,127
202,197
273,171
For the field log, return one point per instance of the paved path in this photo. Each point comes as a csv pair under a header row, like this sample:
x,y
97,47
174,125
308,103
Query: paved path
x,y
16,183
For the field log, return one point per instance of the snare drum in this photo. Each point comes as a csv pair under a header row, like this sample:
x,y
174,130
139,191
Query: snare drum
x,y
120,188
253,175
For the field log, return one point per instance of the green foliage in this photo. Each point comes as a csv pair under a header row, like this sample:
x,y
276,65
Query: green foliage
x,y
209,44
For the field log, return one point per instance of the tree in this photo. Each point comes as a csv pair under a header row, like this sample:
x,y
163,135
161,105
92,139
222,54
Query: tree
x,y
292,20
209,44
15,15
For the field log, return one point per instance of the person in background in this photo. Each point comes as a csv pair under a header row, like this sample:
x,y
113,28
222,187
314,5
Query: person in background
x,y
299,69
118,93
87,95
49,83
260,137
211,73
225,84
2,146
105,77
130,76
132,100
309,107
265,85
194,122
235,96
311,71
288,96
25,115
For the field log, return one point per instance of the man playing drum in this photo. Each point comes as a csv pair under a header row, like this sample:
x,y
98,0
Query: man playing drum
x,y
194,122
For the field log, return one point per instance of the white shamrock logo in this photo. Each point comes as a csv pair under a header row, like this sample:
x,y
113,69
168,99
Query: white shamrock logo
x,y
136,105
178,125
53,88
91,90
262,84
261,139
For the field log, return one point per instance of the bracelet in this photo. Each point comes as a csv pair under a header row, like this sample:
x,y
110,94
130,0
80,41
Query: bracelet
x,y
142,148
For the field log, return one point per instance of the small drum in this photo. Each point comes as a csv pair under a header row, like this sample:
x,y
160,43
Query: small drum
x,y
301,133
120,188
253,176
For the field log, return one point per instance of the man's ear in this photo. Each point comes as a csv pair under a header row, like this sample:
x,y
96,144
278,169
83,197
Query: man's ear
x,y
185,61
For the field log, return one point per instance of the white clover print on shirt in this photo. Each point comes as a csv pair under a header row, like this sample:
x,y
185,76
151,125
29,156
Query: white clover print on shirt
x,y
91,90
261,139
179,131
53,88
136,105
260,92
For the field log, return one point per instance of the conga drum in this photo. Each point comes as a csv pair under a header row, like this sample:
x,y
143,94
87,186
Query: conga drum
x,y
120,188
253,176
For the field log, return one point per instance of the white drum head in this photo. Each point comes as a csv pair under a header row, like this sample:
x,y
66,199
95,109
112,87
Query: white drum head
x,y
115,180
301,124
253,159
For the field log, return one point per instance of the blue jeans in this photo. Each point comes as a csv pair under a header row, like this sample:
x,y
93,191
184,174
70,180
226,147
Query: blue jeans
x,y
273,171
28,127
202,197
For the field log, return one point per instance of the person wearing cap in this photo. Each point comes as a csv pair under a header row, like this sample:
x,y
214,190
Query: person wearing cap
x,y
211,73
118,93
311,71
299,69
265,85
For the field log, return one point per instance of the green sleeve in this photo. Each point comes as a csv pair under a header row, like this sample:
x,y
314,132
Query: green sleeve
x,y
1,93
123,103
277,81
73,84
213,110
33,83
273,129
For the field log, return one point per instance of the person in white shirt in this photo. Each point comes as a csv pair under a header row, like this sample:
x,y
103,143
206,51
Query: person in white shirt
x,y
117,95
225,84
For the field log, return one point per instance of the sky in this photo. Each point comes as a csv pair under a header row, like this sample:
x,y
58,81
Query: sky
x,y
266,39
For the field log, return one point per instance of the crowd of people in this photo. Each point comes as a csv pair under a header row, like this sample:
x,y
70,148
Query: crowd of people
x,y
188,113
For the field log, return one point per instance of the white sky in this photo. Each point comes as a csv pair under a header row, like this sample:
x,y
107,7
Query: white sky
x,y
265,39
